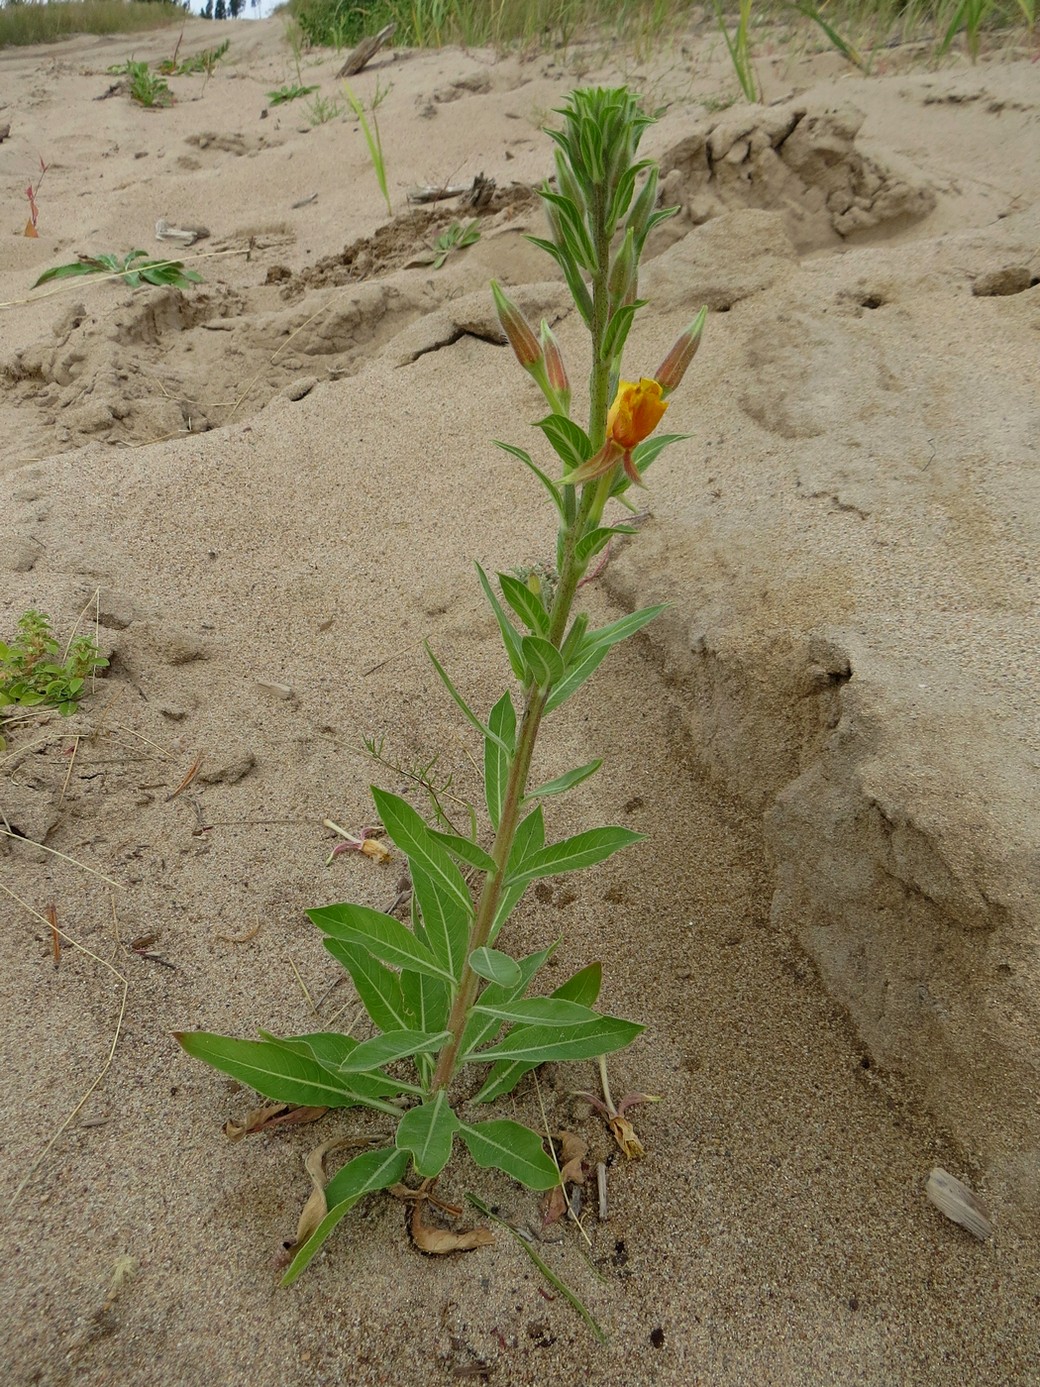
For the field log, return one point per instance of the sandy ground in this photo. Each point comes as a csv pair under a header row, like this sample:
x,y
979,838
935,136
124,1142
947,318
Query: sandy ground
x,y
283,477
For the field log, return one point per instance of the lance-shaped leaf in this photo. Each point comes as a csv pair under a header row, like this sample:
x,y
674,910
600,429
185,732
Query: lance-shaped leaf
x,y
372,1170
465,849
393,1045
575,854
510,635
542,1044
575,233
618,329
526,604
382,935
495,966
541,1011
567,781
273,1070
584,666
625,188
582,987
570,442
445,678
480,1029
427,1132
332,1049
509,1146
530,836
445,922
378,987
590,545
419,844
497,761
543,660
428,1001
571,273
626,626
549,485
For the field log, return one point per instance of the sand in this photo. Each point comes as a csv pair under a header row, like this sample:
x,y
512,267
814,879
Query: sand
x,y
282,478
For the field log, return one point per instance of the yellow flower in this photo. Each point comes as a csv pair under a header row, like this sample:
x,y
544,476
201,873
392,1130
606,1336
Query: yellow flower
x,y
636,412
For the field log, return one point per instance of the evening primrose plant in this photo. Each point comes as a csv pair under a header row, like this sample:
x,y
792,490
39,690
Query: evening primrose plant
x,y
444,994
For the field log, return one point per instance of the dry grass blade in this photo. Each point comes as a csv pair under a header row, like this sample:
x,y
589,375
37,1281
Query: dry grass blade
x,y
960,1204
193,771
20,838
106,1066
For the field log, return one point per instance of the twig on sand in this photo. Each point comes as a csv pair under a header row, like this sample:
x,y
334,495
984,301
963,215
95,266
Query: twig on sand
x,y
365,51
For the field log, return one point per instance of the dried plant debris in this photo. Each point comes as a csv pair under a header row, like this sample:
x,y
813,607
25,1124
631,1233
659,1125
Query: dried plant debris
x,y
954,1199
572,1172
269,1117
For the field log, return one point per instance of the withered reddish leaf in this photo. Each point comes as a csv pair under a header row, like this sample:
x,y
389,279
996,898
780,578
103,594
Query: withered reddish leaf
x,y
271,1115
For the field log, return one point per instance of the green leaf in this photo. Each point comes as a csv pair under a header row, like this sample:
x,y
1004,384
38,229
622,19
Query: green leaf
x,y
510,635
583,986
526,604
627,626
502,724
570,442
466,710
567,781
380,934
445,921
543,660
528,462
509,1146
648,452
332,1049
540,1011
574,854
464,848
541,1044
429,1000
427,1132
420,845
495,966
624,190
590,545
530,836
618,329
572,274
576,234
391,1046
378,987
576,675
480,1029
372,1170
278,1073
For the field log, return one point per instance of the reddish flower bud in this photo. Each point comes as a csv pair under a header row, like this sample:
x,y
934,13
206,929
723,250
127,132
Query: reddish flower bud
x,y
555,369
517,329
673,367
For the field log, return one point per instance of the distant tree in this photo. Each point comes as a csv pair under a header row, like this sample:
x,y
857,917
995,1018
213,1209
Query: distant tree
x,y
220,10
207,11
235,8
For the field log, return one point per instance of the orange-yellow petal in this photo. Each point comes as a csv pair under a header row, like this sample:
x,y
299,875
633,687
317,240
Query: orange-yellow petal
x,y
637,410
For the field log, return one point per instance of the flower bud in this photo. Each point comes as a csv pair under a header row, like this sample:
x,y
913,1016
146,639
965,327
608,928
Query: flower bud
x,y
555,369
673,367
623,273
644,205
517,329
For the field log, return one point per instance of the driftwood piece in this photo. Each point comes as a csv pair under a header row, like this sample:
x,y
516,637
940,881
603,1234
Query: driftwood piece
x,y
365,51
476,194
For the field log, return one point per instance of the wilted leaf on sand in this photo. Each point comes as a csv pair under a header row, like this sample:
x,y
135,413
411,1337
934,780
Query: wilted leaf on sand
x,y
572,1153
317,1206
270,1115
435,1241
625,1136
372,847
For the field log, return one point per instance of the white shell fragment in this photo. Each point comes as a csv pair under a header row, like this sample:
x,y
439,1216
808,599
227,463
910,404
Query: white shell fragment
x,y
958,1203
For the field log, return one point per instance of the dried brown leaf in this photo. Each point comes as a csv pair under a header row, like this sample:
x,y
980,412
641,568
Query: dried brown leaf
x,y
572,1153
625,1136
271,1115
372,847
316,1206
437,1242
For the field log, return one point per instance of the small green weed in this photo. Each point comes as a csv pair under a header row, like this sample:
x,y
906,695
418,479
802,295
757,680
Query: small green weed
x,y
34,670
132,269
204,62
370,130
323,109
289,93
455,238
146,88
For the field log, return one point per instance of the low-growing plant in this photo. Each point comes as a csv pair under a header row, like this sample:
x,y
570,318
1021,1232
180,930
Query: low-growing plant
x,y
457,237
323,109
133,268
290,92
204,62
147,88
739,46
370,130
35,671
443,993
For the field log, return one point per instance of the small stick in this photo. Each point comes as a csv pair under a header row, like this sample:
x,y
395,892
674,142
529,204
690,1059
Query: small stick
x,y
601,1186
365,51
303,985
68,773
52,919
193,771
241,938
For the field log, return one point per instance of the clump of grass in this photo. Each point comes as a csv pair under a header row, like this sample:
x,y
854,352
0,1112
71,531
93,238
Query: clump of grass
x,y
133,269
370,130
290,92
204,63
24,24
35,671
323,109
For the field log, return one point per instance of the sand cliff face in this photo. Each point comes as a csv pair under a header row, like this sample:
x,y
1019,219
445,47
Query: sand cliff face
x,y
269,491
